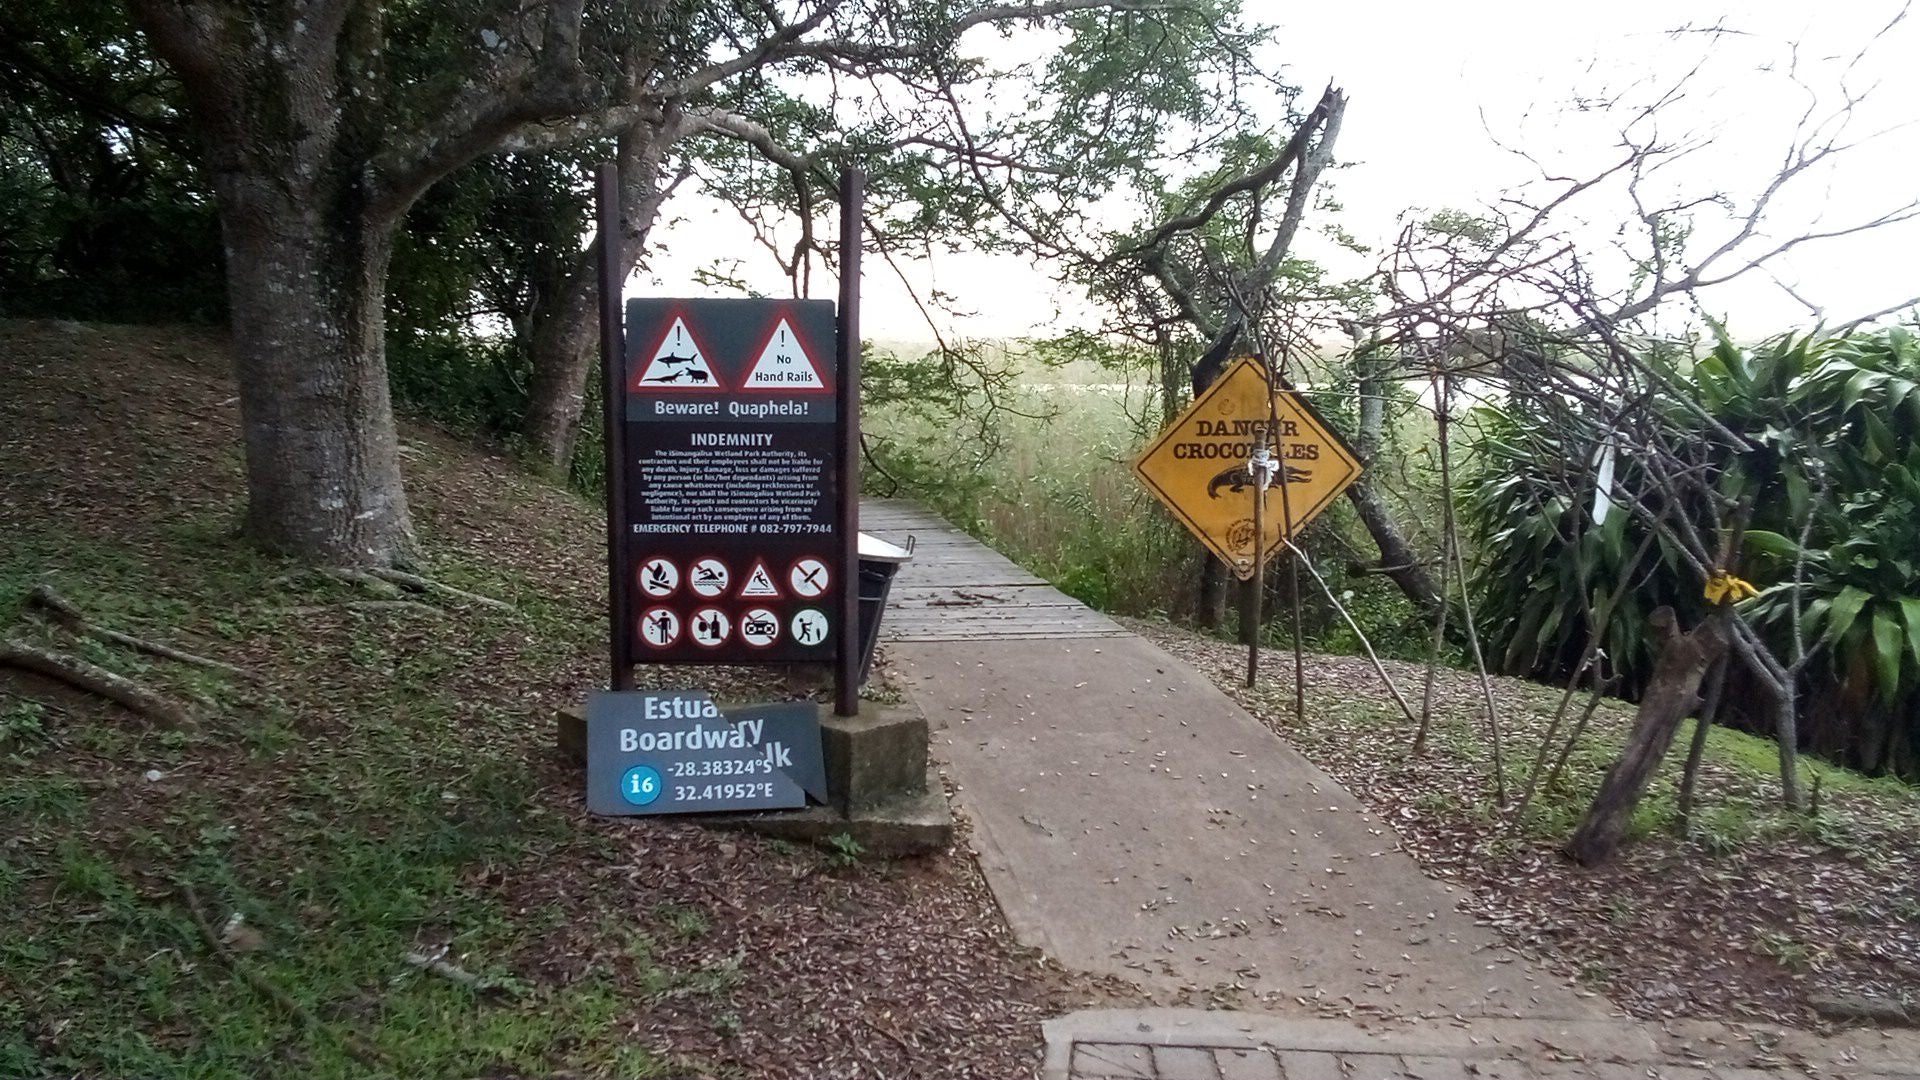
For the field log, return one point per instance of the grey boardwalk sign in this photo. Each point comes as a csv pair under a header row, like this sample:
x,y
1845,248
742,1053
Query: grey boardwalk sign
x,y
676,752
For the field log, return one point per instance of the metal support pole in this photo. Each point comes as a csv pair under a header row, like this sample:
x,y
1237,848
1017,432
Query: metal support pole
x,y
1286,533
846,679
1256,468
613,394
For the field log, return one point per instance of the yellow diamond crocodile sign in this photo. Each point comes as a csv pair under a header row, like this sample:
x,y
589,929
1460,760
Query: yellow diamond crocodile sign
x,y
1198,466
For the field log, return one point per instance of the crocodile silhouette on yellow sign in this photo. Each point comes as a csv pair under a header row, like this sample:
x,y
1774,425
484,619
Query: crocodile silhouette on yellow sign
x,y
1198,466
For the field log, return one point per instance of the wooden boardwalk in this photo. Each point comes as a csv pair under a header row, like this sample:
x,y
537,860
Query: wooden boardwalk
x,y
958,589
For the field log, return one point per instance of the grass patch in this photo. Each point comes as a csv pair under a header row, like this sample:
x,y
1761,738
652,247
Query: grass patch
x,y
1053,489
342,816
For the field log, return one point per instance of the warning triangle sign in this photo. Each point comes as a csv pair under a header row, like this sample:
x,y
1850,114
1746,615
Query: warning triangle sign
x,y
759,583
785,365
677,363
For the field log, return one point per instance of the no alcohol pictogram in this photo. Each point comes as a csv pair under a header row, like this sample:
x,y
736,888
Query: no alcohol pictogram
x,y
710,627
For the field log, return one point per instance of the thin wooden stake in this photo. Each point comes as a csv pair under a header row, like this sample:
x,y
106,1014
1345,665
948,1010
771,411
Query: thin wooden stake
x,y
1252,609
1466,613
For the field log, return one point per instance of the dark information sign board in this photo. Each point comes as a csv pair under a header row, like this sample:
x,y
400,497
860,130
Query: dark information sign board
x,y
731,550
675,752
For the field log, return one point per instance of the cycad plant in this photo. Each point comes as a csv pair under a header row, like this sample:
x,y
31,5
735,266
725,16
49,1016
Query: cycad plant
x,y
1817,438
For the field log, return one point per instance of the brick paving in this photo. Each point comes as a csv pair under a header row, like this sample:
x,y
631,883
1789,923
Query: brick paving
x,y
1193,1044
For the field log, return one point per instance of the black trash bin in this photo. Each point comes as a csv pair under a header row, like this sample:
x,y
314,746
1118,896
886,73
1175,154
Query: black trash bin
x,y
879,561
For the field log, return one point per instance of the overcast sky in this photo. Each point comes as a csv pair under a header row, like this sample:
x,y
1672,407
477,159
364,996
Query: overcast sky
x,y
1431,88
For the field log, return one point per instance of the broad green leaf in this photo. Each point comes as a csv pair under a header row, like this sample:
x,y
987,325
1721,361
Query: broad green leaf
x,y
1772,544
1811,618
1902,476
1887,640
1880,440
1910,610
1614,536
1846,607
1858,386
1798,493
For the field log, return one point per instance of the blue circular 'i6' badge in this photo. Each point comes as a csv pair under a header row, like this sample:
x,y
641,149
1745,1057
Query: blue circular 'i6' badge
x,y
640,785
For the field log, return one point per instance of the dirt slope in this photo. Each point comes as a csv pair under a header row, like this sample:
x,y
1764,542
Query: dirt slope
x,y
388,787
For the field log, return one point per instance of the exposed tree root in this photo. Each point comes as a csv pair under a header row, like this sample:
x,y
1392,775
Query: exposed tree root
x,y
410,607
386,590
427,585
97,680
67,614
395,585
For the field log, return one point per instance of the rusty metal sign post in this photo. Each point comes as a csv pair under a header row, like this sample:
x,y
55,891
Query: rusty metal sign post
x,y
1248,432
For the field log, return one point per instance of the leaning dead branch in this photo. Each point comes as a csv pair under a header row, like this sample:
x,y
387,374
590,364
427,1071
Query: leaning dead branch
x,y
66,613
1393,690
94,679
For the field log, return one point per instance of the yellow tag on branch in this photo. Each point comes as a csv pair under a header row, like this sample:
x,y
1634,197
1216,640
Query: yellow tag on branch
x,y
1724,588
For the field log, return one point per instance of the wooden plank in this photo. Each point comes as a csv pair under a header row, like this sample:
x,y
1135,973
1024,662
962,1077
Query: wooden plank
x,y
988,622
962,632
958,589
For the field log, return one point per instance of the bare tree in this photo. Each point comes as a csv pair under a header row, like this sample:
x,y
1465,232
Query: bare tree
x,y
1517,303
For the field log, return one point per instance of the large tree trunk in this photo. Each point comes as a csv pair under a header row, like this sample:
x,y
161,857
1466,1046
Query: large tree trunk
x,y
286,101
1210,604
566,337
1670,696
306,276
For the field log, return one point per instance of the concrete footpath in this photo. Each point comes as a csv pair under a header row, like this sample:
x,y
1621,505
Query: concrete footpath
x,y
1132,820
1189,1044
